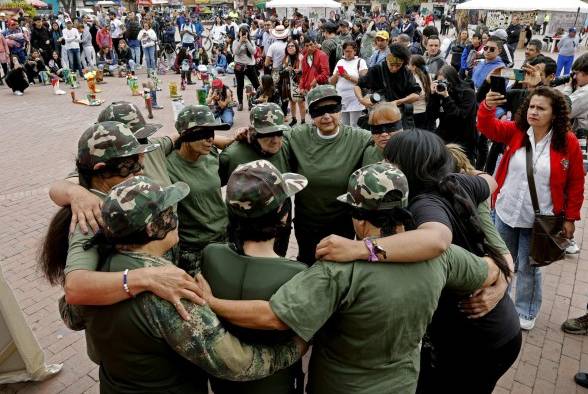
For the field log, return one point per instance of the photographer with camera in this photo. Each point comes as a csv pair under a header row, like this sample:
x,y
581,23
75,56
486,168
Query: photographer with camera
x,y
453,102
220,100
244,51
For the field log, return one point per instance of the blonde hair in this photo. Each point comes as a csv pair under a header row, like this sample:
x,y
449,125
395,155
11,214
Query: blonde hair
x,y
384,112
462,163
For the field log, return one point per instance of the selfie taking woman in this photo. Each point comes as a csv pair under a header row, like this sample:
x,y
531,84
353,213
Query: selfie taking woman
x,y
543,122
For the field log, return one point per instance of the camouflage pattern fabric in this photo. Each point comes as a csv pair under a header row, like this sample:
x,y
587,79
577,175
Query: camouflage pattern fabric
x,y
190,261
258,187
134,203
322,92
198,116
72,315
129,114
377,186
108,140
267,118
203,340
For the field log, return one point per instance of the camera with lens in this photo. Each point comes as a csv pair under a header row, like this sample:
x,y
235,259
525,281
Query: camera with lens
x,y
441,86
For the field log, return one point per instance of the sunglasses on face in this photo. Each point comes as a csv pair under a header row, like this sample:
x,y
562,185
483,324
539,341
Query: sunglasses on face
x,y
278,133
386,128
489,49
317,111
197,134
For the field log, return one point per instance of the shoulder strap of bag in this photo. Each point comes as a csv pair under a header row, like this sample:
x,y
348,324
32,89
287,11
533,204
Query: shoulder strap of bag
x,y
530,177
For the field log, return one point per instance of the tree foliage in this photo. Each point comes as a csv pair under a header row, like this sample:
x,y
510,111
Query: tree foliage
x,y
27,8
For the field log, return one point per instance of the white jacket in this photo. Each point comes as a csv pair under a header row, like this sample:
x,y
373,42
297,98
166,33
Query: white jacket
x,y
72,38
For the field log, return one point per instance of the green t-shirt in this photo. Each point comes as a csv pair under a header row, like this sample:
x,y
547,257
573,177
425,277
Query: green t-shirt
x,y
234,276
151,349
328,164
368,318
203,213
241,152
155,167
77,257
372,155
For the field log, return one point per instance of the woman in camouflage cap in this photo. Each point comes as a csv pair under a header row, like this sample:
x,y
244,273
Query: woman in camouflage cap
x,y
203,215
267,133
258,201
151,349
108,153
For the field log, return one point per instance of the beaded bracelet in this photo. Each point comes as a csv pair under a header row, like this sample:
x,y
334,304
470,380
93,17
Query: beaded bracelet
x,y
126,282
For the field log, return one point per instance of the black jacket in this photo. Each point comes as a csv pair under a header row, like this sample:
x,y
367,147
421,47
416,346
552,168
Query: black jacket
x,y
457,117
391,86
39,38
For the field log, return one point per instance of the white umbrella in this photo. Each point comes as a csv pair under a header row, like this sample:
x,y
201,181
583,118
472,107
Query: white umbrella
x,y
303,4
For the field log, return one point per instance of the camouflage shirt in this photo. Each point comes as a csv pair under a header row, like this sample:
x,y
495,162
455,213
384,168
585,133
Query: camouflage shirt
x,y
151,349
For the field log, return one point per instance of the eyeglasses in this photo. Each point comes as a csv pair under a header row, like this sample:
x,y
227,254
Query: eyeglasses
x,y
489,49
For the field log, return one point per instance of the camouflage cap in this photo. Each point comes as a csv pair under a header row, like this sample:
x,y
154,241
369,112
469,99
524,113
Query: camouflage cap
x,y
104,141
129,114
134,203
322,92
198,115
267,118
258,187
375,187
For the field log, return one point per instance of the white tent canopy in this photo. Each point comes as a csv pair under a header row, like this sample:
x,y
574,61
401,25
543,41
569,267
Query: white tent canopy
x,y
303,4
525,5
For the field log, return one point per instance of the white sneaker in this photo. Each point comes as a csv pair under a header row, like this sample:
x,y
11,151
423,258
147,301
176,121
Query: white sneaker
x,y
527,325
18,93
572,248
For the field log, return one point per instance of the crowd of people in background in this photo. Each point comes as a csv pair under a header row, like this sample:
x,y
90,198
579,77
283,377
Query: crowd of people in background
x,y
390,132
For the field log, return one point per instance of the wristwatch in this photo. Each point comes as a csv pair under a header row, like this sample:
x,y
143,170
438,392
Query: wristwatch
x,y
376,252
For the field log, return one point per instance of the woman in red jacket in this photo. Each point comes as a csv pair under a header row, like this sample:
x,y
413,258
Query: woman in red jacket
x,y
543,119
315,66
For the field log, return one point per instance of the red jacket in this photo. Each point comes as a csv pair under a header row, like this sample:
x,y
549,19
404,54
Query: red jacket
x,y
567,169
319,70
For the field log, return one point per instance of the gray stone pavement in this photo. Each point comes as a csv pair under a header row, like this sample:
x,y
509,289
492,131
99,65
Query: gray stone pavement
x,y
40,131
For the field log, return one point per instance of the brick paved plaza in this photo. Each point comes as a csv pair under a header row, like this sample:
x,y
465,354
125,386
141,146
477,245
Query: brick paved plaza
x,y
40,132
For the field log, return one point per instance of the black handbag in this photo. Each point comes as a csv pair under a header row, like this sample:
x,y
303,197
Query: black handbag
x,y
548,243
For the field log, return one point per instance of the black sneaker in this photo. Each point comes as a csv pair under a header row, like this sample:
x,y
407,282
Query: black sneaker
x,y
293,122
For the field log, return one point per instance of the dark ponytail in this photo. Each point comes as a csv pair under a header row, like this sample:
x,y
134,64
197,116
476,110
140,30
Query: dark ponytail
x,y
53,253
467,214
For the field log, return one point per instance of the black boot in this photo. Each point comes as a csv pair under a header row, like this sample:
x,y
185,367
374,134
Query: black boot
x,y
293,122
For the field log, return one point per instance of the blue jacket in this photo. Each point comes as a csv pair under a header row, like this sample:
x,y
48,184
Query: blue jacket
x,y
221,61
482,70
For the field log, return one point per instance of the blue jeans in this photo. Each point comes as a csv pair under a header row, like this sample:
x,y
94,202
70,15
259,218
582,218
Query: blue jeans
x,y
136,53
73,56
226,116
149,54
565,63
528,285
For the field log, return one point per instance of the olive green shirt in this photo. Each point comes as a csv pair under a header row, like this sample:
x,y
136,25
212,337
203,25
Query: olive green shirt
x,y
150,349
234,276
372,155
327,164
155,166
368,318
241,152
203,213
77,257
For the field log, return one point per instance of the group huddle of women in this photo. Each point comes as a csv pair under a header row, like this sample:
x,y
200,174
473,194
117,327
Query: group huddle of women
x,y
401,279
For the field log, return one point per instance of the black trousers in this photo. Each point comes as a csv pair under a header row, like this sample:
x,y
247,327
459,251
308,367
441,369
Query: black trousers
x,y
462,371
309,235
249,72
